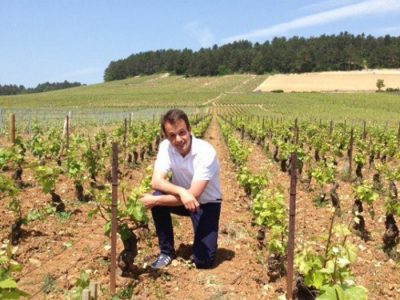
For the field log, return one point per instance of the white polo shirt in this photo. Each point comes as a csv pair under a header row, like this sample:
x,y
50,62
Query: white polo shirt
x,y
200,163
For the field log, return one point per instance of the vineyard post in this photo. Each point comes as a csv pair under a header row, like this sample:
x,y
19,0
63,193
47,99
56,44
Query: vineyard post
x,y
12,128
398,135
330,129
242,132
67,132
86,294
125,136
350,152
93,288
1,120
69,119
292,218
30,122
364,129
271,129
64,127
114,216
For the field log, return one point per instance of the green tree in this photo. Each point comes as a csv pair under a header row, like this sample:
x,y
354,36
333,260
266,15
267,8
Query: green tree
x,y
380,84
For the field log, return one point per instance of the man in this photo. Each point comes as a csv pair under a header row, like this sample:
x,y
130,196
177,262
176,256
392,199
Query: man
x,y
194,190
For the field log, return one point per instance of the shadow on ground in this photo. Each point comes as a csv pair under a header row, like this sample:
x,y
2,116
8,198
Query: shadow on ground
x,y
185,251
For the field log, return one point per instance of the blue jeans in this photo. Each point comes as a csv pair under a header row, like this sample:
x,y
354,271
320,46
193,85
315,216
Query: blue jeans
x,y
205,226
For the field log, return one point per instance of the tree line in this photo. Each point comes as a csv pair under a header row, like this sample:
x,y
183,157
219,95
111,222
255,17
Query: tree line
x,y
340,52
13,89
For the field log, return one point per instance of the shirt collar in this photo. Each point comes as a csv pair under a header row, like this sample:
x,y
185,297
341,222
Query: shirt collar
x,y
194,149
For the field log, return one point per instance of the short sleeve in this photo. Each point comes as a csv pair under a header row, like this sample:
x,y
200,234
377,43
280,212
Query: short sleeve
x,y
163,161
206,167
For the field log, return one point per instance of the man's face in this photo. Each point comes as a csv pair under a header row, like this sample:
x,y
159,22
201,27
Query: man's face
x,y
179,136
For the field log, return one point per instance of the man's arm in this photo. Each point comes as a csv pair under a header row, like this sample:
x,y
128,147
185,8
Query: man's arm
x,y
175,195
160,183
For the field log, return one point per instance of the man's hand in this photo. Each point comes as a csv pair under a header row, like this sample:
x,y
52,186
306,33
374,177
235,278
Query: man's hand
x,y
188,200
149,201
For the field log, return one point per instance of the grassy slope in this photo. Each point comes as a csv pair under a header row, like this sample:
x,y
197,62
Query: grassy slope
x,y
139,91
233,89
378,107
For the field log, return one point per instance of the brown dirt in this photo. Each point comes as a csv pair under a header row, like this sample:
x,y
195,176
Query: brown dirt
x,y
237,274
62,248
372,269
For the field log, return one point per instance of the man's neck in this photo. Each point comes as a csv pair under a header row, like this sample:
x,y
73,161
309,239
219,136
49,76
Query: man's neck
x,y
190,148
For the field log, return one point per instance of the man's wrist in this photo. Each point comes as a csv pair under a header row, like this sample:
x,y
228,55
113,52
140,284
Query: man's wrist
x,y
181,191
155,200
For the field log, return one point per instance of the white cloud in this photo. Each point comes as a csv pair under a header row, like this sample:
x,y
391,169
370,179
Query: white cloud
x,y
202,34
325,5
370,7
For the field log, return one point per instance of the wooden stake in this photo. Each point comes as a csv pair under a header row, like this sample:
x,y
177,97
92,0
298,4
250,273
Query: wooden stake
x,y
93,287
364,130
125,136
398,135
114,216
69,119
292,220
350,152
12,128
86,294
67,134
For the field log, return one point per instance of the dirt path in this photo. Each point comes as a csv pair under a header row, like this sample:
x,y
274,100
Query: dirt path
x,y
237,274
214,101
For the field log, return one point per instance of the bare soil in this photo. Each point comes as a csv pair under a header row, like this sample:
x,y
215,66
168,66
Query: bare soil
x,y
54,251
373,269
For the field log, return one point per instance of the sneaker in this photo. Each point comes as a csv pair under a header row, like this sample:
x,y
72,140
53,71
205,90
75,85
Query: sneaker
x,y
202,264
161,261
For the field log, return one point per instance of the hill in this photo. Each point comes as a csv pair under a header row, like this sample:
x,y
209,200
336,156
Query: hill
x,y
153,94
153,90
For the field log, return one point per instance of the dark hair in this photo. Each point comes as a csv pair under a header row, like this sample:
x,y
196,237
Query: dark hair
x,y
172,116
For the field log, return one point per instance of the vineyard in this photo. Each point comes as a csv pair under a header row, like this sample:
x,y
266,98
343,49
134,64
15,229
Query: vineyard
x,y
56,186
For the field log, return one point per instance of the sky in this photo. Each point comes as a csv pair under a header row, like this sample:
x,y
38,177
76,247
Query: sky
x,y
75,40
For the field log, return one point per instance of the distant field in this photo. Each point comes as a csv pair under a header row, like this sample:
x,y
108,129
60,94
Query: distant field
x,y
155,90
374,107
351,81
151,95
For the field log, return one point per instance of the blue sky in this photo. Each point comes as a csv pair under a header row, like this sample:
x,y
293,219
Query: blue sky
x,y
75,40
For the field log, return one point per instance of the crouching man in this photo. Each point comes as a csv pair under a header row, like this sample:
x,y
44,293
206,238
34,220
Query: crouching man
x,y
194,191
